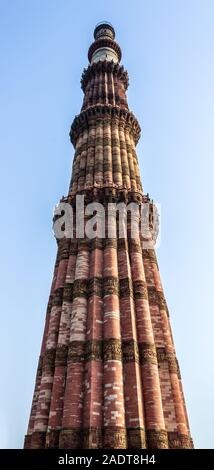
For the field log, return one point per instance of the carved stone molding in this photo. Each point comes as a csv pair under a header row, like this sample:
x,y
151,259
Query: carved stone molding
x,y
179,441
110,285
76,351
126,289
38,440
92,438
61,355
96,244
134,245
136,438
70,438
27,441
82,121
150,255
110,243
157,439
80,288
68,292
93,350
130,351
49,358
164,356
115,438
63,248
73,246
147,353
95,286
52,439
156,297
112,349
104,66
140,290
104,42
57,297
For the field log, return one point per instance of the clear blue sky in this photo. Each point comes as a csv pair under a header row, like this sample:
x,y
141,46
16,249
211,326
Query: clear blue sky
x,y
168,50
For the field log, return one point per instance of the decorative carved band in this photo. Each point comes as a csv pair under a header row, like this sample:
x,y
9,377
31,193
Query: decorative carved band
x,y
140,290
157,439
68,292
95,286
130,351
27,441
147,353
57,297
52,439
150,255
111,437
112,349
104,42
179,441
82,121
168,357
61,355
49,358
134,245
136,438
110,243
115,438
104,66
122,244
93,350
156,297
96,243
63,248
92,438
73,247
84,244
80,288
110,285
76,351
70,438
126,289
38,440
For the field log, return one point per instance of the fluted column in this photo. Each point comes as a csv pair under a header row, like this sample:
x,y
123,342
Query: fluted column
x,y
154,418
130,159
98,166
116,158
180,430
72,422
131,369
93,381
89,179
124,156
114,407
56,406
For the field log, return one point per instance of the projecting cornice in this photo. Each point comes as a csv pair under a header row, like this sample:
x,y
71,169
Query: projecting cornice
x,y
104,43
104,66
123,116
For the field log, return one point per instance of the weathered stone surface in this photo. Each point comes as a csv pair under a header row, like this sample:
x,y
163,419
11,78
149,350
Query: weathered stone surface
x,y
108,376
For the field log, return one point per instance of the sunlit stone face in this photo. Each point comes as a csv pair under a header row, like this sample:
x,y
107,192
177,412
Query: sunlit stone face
x,y
104,53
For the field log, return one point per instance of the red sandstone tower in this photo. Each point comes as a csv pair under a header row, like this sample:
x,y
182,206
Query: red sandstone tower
x,y
108,374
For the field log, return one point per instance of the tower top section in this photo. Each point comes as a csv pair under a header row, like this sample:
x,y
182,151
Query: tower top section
x,y
104,29
104,46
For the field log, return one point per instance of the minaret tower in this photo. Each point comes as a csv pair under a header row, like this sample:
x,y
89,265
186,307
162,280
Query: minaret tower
x,y
108,376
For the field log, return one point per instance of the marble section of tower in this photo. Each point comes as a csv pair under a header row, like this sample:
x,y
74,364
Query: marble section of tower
x,y
107,376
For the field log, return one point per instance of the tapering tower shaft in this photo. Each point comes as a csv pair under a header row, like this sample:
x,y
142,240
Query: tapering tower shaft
x,y
108,374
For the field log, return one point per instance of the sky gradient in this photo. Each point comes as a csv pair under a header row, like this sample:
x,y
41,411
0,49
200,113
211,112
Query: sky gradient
x,y
167,48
